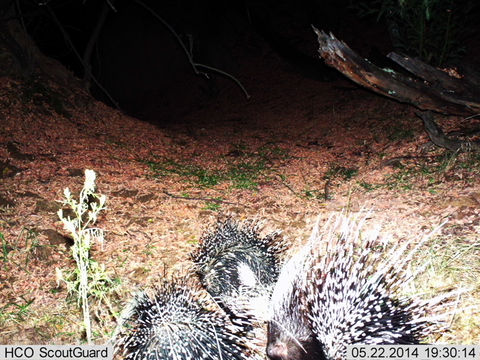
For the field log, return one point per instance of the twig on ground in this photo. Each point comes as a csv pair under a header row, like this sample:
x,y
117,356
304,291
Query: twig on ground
x,y
199,198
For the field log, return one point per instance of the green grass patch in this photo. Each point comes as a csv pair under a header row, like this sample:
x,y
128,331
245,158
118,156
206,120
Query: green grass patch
x,y
15,311
367,186
342,172
245,175
402,179
430,172
243,169
455,258
211,205
453,262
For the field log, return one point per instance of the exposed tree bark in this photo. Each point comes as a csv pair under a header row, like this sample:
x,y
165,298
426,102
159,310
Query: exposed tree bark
x,y
461,91
432,89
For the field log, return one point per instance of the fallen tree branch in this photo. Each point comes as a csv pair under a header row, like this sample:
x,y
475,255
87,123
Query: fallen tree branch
x,y
434,90
457,90
218,201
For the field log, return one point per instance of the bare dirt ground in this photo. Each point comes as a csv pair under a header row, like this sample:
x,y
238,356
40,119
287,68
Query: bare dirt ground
x,y
298,149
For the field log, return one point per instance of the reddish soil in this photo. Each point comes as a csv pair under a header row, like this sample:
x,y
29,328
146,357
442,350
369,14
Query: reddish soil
x,y
304,138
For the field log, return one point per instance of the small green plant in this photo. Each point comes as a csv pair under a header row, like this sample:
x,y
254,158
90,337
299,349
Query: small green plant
x,y
89,280
18,314
313,194
213,206
31,244
402,179
433,30
5,249
367,186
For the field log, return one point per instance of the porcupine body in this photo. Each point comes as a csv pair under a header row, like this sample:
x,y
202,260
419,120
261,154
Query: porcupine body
x,y
238,267
179,321
338,290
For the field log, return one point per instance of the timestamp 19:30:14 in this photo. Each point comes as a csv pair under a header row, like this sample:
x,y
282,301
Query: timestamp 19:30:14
x,y
413,352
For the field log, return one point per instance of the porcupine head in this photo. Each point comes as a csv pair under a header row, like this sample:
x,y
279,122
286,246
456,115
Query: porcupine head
x,y
289,333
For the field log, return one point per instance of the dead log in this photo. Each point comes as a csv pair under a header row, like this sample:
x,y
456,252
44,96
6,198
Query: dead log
x,y
430,89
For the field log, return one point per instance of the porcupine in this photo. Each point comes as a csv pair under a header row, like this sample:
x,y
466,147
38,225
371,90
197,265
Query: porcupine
x,y
337,291
238,267
179,321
